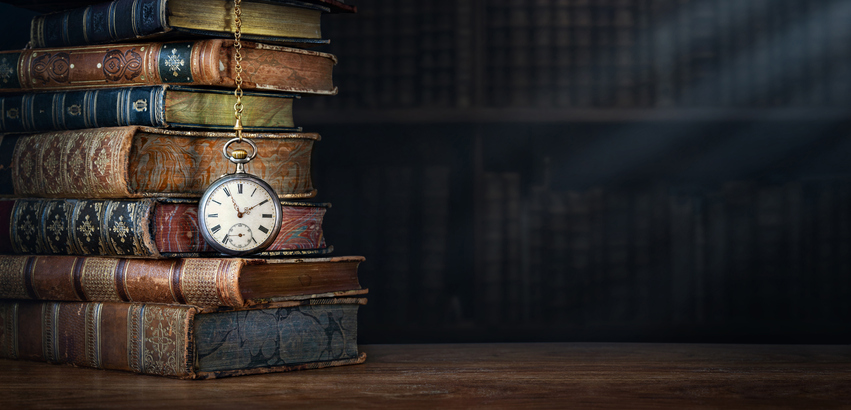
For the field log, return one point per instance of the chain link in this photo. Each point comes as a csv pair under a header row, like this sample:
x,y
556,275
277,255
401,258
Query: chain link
x,y
237,47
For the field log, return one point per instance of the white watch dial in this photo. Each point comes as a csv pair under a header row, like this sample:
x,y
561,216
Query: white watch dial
x,y
240,214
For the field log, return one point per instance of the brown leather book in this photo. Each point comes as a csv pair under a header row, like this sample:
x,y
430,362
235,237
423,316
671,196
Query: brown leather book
x,y
205,282
191,63
134,162
182,341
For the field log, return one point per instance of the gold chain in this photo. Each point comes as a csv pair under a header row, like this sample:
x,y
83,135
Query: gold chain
x,y
237,47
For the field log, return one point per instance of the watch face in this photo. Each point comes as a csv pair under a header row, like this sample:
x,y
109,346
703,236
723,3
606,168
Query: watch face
x,y
240,215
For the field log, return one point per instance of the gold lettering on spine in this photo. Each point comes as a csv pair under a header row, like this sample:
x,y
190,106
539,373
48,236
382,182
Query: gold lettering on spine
x,y
164,340
98,279
198,281
12,270
9,327
134,337
93,355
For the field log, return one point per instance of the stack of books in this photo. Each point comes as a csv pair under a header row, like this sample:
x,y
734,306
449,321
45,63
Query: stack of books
x,y
113,124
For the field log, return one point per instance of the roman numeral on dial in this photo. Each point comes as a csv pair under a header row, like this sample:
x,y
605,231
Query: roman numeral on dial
x,y
263,229
239,188
267,215
216,228
226,191
212,215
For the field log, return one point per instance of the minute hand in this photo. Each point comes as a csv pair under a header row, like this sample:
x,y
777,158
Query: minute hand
x,y
256,205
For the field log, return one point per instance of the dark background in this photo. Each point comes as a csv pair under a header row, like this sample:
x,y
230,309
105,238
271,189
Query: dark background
x,y
575,170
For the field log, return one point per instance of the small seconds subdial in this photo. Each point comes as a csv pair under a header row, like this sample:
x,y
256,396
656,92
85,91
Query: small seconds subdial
x,y
240,215
239,236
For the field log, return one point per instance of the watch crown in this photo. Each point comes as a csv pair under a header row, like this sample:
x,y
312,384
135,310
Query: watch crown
x,y
239,153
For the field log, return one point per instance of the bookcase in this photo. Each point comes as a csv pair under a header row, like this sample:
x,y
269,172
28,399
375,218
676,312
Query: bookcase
x,y
618,170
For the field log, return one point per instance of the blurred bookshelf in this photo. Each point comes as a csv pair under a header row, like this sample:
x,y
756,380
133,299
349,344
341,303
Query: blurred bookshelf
x,y
569,115
571,60
595,170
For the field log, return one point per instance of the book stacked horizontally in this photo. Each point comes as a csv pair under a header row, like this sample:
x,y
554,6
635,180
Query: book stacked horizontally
x,y
113,125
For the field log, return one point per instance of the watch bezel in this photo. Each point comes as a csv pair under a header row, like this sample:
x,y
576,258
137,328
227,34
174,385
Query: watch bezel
x,y
202,215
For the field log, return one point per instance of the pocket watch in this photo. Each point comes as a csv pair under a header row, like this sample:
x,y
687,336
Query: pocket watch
x,y
239,213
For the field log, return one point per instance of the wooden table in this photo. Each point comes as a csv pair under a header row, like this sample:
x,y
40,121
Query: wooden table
x,y
478,375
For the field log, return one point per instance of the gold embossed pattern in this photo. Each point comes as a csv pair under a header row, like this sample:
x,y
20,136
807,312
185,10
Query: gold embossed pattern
x,y
93,354
12,270
134,337
71,163
164,346
98,279
198,282
49,323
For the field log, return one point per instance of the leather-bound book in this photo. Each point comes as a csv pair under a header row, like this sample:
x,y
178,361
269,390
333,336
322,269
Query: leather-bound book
x,y
158,106
148,228
205,282
277,21
134,162
182,341
189,63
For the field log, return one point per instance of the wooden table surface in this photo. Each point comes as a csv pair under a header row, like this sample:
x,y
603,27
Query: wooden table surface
x,y
551,375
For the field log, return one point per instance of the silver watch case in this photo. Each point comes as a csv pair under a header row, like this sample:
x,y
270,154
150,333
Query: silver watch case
x,y
202,218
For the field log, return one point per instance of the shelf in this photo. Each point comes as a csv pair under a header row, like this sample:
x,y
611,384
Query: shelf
x,y
565,115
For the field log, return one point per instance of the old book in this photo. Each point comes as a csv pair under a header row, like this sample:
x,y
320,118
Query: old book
x,y
204,282
190,63
158,106
186,342
134,162
47,6
152,228
277,21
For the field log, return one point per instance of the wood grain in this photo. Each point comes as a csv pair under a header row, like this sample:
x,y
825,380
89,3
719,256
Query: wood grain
x,y
475,375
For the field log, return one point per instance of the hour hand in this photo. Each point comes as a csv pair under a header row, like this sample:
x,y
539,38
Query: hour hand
x,y
238,212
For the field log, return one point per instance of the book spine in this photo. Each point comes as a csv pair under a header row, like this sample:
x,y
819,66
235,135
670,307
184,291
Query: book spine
x,y
141,228
557,268
683,223
513,277
201,282
132,162
149,339
562,53
435,222
490,279
35,112
67,226
771,258
619,280
582,80
92,162
100,23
